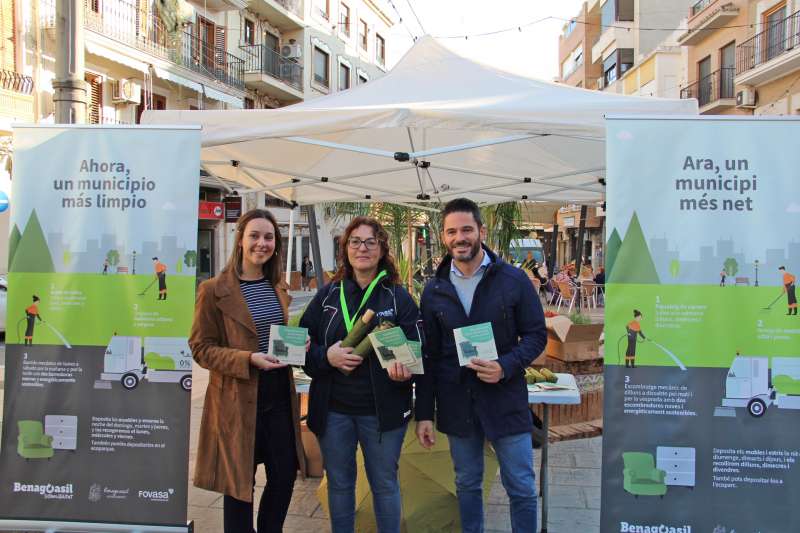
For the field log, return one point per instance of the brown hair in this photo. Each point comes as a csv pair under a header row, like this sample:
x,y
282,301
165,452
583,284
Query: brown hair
x,y
386,262
272,268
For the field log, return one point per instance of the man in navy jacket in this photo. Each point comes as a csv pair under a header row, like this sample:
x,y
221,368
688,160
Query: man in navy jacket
x,y
484,400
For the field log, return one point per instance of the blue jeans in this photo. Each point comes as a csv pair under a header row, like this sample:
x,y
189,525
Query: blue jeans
x,y
381,454
515,455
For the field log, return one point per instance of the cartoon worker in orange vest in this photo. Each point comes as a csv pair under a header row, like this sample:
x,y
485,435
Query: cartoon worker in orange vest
x,y
634,329
788,288
31,314
161,275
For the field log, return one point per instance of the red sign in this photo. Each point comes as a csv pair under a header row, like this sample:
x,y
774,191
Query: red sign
x,y
211,211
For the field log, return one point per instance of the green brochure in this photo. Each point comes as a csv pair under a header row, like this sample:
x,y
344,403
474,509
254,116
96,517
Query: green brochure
x,y
475,342
288,344
391,346
416,350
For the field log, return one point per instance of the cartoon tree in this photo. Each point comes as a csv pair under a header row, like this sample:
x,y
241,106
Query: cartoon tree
x,y
32,253
112,257
612,249
674,268
731,266
13,242
190,258
633,263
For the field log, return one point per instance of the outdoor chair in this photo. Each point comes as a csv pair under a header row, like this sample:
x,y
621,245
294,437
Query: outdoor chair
x,y
567,295
552,288
588,294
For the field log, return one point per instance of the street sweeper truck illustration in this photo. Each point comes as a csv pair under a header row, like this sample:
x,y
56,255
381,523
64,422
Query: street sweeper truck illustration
x,y
752,384
157,359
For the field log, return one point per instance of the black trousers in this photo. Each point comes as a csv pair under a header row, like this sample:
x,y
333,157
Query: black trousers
x,y
275,449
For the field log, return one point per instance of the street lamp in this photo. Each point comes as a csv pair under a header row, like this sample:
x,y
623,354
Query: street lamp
x,y
756,265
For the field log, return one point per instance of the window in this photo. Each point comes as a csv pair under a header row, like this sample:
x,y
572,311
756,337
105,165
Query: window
x,y
728,61
380,49
321,66
94,109
568,29
617,64
249,103
362,79
616,10
363,33
572,62
775,22
249,32
344,19
344,77
159,104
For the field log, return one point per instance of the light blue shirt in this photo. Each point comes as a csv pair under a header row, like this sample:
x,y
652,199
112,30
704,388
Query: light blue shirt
x,y
465,286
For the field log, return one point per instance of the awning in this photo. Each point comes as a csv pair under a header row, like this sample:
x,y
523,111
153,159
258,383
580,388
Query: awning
x,y
122,59
222,97
180,80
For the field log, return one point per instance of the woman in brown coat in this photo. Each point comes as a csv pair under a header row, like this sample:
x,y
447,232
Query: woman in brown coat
x,y
250,415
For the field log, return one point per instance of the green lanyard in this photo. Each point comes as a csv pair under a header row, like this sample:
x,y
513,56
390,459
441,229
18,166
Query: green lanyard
x,y
348,322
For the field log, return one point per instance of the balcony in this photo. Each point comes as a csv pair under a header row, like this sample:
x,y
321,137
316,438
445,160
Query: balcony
x,y
146,31
16,98
770,54
705,17
285,15
617,36
713,92
266,71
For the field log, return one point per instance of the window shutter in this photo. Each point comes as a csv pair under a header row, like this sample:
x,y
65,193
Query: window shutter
x,y
7,36
94,108
220,47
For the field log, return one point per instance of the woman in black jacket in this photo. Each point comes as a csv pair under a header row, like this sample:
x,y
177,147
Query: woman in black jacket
x,y
353,400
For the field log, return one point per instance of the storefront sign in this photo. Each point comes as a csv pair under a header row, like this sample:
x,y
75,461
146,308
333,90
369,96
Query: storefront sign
x,y
702,336
233,208
98,371
211,210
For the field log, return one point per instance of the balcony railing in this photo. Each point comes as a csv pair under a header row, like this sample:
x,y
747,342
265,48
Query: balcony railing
x,y
144,29
260,59
778,38
18,83
711,88
293,6
699,6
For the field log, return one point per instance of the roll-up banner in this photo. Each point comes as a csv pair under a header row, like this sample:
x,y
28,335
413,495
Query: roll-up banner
x,y
702,336
101,285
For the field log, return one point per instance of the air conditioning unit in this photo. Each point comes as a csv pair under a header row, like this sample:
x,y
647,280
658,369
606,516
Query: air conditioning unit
x,y
292,51
126,91
746,97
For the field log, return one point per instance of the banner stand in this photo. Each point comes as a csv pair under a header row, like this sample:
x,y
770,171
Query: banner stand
x,y
80,527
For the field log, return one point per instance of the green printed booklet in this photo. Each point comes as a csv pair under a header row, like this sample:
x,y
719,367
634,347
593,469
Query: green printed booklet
x,y
416,350
288,344
391,346
475,341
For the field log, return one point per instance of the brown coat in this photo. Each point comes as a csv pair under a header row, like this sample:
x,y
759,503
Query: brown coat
x,y
222,339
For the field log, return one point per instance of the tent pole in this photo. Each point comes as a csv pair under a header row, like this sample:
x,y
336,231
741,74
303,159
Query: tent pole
x,y
579,250
410,257
313,233
290,249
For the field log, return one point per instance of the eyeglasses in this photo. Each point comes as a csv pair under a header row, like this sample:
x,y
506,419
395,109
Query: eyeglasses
x,y
355,243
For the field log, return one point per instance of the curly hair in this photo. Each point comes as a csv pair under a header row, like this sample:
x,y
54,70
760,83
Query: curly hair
x,y
386,262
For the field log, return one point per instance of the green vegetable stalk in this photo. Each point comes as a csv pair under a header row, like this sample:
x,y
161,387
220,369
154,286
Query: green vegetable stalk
x,y
364,347
360,330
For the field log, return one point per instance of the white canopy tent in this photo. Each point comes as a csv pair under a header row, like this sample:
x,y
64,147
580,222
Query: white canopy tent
x,y
437,126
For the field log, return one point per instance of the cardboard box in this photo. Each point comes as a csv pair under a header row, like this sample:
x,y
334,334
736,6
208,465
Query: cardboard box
x,y
573,342
313,453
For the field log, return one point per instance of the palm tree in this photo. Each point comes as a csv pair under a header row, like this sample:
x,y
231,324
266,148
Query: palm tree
x,y
501,221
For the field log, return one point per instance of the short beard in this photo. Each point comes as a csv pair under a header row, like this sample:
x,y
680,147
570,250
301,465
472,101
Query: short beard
x,y
469,256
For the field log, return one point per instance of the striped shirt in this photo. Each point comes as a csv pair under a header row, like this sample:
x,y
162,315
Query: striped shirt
x,y
264,306
266,310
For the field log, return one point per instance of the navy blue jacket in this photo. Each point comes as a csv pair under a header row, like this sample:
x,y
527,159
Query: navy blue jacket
x,y
506,298
323,318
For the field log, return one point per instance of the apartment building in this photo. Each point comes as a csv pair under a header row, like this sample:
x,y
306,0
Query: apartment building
x,y
209,54
768,62
714,28
575,50
634,42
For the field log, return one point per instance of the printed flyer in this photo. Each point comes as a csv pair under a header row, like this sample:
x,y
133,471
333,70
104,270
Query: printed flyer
x,y
475,341
702,334
98,372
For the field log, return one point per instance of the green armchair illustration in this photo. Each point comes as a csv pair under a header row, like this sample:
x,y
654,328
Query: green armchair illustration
x,y
641,477
32,442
